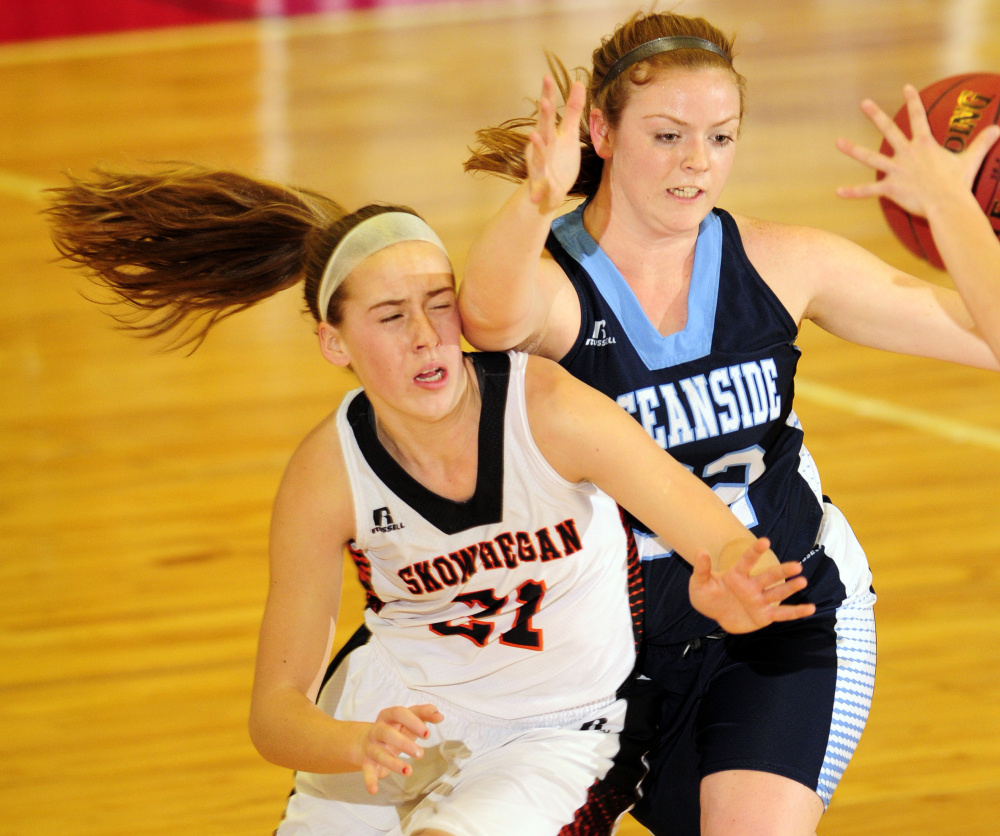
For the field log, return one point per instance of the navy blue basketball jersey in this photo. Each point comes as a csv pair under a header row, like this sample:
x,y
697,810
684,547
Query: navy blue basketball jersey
x,y
717,395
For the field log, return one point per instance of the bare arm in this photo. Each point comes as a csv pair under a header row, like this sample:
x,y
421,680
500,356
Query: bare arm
x,y
926,179
851,293
313,520
586,436
512,294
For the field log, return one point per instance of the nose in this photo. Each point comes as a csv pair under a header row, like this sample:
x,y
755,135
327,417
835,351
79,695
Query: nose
x,y
696,156
424,334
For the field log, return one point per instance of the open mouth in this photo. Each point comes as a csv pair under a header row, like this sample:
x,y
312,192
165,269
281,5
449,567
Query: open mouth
x,y
430,376
685,191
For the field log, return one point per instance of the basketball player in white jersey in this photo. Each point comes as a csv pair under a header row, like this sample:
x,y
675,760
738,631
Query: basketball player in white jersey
x,y
926,179
474,494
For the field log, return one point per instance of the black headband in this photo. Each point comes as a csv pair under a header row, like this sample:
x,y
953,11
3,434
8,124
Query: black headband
x,y
654,47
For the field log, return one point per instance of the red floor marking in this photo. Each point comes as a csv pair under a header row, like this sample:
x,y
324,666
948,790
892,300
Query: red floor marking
x,y
63,18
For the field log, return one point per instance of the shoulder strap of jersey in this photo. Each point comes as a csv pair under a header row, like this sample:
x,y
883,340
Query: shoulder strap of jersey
x,y
486,505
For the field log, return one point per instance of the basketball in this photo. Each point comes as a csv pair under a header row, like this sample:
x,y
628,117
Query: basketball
x,y
957,108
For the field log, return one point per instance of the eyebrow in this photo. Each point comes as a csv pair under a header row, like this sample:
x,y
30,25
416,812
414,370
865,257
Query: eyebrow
x,y
392,303
734,118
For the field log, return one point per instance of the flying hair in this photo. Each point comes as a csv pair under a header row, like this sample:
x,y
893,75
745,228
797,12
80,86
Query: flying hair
x,y
184,246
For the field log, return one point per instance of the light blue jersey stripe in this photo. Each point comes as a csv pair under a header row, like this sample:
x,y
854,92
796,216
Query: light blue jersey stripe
x,y
855,686
655,350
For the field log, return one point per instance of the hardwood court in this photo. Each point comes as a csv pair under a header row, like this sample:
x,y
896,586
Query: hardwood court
x,y
136,485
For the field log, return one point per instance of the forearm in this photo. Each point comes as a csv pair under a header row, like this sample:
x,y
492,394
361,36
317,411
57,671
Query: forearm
x,y
585,435
971,252
691,517
678,506
499,296
291,731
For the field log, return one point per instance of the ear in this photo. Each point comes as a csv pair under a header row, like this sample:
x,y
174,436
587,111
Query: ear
x,y
600,134
331,345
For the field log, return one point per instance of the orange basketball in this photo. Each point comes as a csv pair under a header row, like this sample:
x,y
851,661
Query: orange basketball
x,y
958,108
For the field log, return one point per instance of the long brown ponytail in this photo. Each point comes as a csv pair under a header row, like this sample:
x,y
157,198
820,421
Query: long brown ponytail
x,y
186,246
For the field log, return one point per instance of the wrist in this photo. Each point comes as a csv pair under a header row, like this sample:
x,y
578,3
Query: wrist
x,y
541,212
950,200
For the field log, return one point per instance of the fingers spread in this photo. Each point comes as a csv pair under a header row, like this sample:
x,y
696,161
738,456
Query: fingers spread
x,y
792,612
575,103
887,127
779,592
915,110
702,567
980,146
865,156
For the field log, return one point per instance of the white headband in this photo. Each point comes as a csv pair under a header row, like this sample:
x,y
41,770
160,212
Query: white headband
x,y
368,237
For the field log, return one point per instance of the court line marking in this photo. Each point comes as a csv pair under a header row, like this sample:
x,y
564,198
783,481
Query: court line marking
x,y
950,429
393,18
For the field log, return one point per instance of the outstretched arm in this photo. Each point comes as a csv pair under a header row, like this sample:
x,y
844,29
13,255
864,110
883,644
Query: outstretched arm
x,y
926,179
313,519
586,436
511,295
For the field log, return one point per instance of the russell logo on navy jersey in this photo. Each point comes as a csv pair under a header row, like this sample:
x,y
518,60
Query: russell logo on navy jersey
x,y
600,336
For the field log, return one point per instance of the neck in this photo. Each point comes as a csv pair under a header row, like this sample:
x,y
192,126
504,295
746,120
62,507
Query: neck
x,y
656,263
640,250
441,453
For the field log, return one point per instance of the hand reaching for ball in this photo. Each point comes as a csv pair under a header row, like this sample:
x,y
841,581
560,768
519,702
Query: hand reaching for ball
x,y
915,165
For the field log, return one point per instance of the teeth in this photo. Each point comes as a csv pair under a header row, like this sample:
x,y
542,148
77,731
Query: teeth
x,y
685,191
430,377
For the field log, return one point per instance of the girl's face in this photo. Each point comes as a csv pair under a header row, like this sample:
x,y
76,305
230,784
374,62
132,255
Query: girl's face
x,y
668,159
400,330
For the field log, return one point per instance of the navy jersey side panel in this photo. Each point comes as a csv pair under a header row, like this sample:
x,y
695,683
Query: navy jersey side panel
x,y
717,395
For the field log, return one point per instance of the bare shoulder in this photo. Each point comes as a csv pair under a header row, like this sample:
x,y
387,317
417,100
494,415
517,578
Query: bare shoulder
x,y
771,242
541,371
572,423
547,385
795,261
315,489
554,401
564,399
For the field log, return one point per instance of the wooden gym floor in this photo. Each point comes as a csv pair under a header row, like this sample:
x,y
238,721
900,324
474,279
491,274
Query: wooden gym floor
x,y
136,485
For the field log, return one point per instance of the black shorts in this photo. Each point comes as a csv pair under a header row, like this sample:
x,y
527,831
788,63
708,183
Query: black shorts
x,y
765,701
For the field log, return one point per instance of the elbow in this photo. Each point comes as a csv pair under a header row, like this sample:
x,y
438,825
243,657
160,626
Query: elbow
x,y
262,735
258,735
486,332
486,339
269,748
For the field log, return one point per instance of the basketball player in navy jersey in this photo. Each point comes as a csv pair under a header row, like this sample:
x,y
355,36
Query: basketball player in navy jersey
x,y
474,494
687,316
926,179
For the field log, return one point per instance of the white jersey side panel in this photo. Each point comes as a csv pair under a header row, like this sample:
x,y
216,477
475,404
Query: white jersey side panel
x,y
525,616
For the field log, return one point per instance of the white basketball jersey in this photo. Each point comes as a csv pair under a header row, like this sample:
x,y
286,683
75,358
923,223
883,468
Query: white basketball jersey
x,y
512,604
